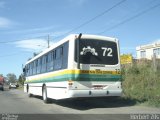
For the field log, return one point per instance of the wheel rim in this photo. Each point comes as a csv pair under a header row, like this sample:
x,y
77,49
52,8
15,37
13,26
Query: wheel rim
x,y
27,89
44,94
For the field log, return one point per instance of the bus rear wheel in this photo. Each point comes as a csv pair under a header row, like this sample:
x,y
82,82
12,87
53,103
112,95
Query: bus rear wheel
x,y
44,94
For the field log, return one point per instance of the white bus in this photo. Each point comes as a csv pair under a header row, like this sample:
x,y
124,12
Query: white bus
x,y
77,66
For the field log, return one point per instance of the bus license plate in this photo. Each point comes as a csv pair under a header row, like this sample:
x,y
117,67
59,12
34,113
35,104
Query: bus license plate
x,y
97,87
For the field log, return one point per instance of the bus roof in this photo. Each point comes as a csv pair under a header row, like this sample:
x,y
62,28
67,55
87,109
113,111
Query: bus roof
x,y
71,37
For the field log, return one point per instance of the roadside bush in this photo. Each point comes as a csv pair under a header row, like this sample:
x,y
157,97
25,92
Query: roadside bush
x,y
141,82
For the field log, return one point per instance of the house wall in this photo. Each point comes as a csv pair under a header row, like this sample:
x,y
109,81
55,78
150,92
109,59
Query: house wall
x,y
148,50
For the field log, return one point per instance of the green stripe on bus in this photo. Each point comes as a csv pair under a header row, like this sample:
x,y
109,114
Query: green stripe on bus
x,y
80,77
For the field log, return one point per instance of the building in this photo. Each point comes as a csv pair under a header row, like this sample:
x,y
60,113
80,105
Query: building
x,y
148,51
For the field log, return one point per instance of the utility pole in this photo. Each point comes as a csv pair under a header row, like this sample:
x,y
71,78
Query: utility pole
x,y
48,40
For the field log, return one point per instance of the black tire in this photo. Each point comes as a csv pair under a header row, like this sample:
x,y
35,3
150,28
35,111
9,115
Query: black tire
x,y
30,95
44,94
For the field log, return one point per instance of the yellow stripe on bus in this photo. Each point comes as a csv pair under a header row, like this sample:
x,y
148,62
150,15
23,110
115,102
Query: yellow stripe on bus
x,y
64,72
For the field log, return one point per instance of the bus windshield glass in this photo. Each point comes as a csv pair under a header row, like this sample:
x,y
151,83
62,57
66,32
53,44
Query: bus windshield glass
x,y
93,51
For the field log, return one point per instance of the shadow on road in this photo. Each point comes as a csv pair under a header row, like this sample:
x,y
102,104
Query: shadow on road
x,y
90,103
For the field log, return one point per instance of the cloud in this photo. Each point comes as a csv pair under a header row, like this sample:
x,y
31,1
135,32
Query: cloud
x,y
32,45
155,41
5,23
39,32
38,41
32,30
49,32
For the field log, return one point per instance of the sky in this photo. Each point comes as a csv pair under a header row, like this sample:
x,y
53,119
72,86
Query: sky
x,y
25,25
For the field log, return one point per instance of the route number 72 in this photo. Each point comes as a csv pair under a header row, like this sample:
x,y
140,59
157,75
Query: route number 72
x,y
107,51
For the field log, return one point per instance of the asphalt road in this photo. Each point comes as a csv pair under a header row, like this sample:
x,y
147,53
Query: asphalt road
x,y
16,102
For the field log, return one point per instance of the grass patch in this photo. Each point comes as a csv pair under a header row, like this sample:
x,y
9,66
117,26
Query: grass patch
x,y
142,83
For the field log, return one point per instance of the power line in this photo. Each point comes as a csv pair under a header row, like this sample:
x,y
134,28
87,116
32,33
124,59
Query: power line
x,y
97,16
92,19
22,40
131,18
83,24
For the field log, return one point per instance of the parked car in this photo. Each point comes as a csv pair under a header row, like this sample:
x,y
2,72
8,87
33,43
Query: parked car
x,y
13,85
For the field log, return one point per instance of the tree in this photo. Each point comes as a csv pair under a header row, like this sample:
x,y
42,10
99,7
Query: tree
x,y
11,77
21,79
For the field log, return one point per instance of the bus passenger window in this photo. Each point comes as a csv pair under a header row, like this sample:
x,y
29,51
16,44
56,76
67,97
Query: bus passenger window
x,y
61,51
30,68
50,61
39,65
53,55
34,67
43,68
58,53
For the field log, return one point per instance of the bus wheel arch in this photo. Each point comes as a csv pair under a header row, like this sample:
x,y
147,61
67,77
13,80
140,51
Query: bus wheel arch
x,y
44,94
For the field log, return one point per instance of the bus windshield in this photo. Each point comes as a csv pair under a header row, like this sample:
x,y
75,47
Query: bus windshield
x,y
93,51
